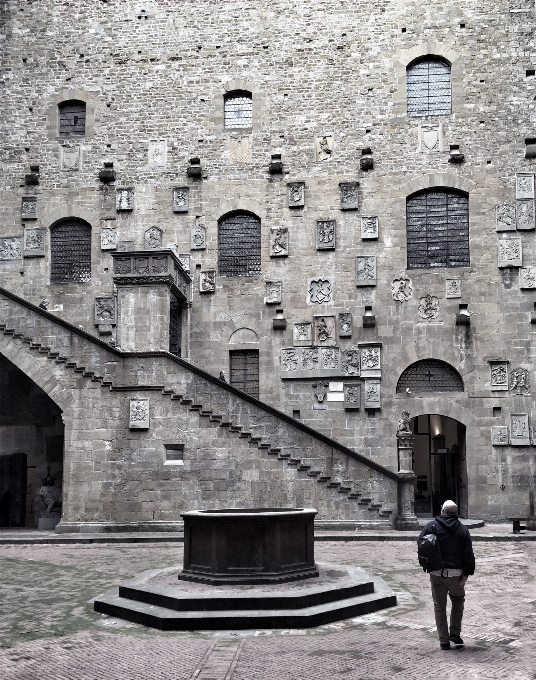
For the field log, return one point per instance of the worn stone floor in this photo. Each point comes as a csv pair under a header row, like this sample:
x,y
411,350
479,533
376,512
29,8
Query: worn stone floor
x,y
48,628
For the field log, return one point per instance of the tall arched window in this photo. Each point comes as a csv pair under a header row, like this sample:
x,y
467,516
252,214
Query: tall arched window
x,y
428,87
70,252
437,223
238,110
239,245
430,375
72,118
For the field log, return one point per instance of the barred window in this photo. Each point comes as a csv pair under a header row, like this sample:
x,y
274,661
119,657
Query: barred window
x,y
245,371
175,326
238,110
430,375
72,118
239,245
428,87
70,252
437,223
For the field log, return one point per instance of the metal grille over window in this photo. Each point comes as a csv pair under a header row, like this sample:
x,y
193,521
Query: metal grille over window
x,y
429,89
245,371
239,244
72,117
238,111
437,224
175,326
430,375
70,252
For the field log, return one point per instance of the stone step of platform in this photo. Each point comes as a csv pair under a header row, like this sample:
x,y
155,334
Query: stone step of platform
x,y
342,592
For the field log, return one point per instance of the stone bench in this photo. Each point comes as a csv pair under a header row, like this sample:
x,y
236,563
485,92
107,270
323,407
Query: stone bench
x,y
517,526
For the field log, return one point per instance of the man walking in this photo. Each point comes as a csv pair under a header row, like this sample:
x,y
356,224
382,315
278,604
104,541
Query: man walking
x,y
459,563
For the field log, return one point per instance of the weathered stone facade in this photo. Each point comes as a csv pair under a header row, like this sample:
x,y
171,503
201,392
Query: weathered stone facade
x,y
328,83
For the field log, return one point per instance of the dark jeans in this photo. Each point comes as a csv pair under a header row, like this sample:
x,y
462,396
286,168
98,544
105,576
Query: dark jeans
x,y
441,587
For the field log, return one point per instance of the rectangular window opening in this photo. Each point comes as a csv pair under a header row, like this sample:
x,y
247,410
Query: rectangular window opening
x,y
174,454
497,410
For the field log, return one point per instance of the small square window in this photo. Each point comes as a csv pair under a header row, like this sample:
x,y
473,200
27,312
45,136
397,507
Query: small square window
x,y
174,454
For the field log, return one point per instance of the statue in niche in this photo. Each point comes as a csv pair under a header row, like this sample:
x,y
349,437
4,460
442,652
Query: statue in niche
x,y
429,307
50,494
404,423
321,389
521,382
323,332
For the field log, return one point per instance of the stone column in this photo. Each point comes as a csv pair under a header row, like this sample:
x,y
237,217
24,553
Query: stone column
x,y
406,520
531,522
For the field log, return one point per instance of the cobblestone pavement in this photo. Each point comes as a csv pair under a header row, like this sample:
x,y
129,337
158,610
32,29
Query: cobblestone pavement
x,y
48,628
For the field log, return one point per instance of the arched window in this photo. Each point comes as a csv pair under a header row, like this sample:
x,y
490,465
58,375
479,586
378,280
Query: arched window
x,y
430,375
72,118
437,223
70,252
238,110
428,87
239,245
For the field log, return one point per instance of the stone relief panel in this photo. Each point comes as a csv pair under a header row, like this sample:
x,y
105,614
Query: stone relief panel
x,y
345,325
527,278
301,362
139,414
181,199
430,138
207,281
352,396
329,358
296,194
124,199
498,375
520,382
279,242
70,157
370,358
350,362
105,310
153,238
29,208
519,429
365,270
274,294
290,359
11,248
108,238
198,238
310,358
372,390
349,195
325,234
505,217
184,259
324,148
369,228
402,289
320,291
429,307
320,390
525,214
303,334
240,149
499,435
324,331
34,243
157,153
510,253
524,185
125,246
453,288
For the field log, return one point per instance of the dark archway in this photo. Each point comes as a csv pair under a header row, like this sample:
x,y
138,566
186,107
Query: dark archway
x,y
439,463
31,450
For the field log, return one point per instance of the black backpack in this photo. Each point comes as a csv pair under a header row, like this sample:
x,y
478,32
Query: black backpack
x,y
429,552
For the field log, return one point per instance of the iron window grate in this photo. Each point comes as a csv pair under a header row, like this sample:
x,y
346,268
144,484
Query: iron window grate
x,y
70,253
175,326
238,111
245,371
239,246
430,375
72,119
429,88
437,224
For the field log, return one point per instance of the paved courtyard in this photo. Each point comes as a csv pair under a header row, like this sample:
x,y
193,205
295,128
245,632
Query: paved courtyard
x,y
48,628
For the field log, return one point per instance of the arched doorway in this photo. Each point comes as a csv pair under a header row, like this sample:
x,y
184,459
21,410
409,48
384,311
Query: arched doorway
x,y
31,451
439,463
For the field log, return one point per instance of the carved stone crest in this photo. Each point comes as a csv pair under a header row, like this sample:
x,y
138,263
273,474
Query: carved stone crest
x,y
157,153
289,359
350,362
279,242
520,381
369,228
325,234
181,199
207,281
303,334
11,248
309,360
349,195
296,194
29,208
429,307
402,289
324,327
345,325
153,238
124,199
321,389
240,148
453,288
365,266
370,358
505,217
324,148
320,291
108,239
352,396
430,138
525,214
184,259
139,414
70,157
330,357
525,185
527,278
510,253
519,429
34,243
499,435
105,310
198,239
273,292
372,394
499,375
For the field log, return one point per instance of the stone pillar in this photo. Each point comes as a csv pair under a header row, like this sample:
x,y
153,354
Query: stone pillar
x,y
531,522
406,519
